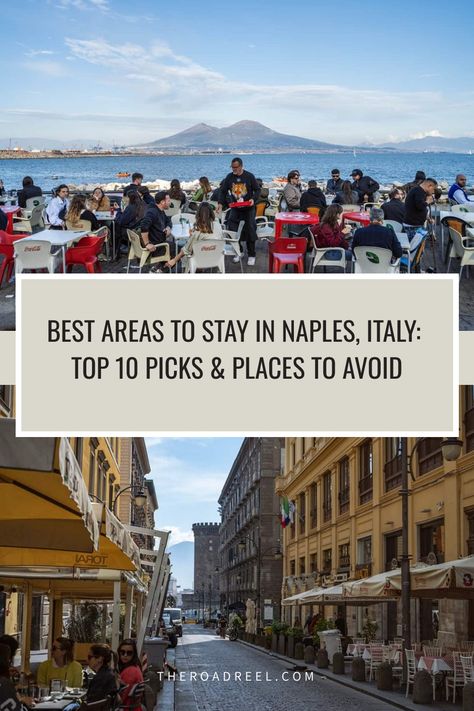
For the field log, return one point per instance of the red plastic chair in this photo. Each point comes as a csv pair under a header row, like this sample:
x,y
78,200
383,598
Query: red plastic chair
x,y
7,252
85,253
287,250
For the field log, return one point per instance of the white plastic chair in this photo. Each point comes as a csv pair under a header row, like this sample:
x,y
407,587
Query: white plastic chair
x,y
232,243
138,251
350,208
208,254
265,227
34,254
411,668
462,248
33,202
29,221
465,207
174,208
375,260
397,226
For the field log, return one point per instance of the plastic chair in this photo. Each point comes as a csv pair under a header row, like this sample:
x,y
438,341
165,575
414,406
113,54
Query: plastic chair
x,y
375,260
174,208
29,221
265,228
6,250
232,243
284,251
208,254
461,248
313,210
318,256
350,208
38,201
85,252
394,224
34,254
411,668
135,697
457,680
138,251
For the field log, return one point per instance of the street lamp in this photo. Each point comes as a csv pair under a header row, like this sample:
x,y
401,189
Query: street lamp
x,y
451,449
139,497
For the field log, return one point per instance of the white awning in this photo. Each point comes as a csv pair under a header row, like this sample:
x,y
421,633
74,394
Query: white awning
x,y
300,598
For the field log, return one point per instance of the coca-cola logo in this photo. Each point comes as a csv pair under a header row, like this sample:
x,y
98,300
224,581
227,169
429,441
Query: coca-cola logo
x,y
211,248
32,249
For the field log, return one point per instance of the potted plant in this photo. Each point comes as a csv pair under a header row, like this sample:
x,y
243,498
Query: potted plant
x,y
369,630
295,634
321,625
85,628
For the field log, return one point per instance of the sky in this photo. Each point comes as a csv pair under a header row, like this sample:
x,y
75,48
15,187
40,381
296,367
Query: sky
x,y
130,72
189,474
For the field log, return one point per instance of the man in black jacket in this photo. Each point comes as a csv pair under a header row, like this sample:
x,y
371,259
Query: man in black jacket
x,y
137,179
335,182
313,197
238,186
417,205
156,225
376,235
364,185
29,190
394,209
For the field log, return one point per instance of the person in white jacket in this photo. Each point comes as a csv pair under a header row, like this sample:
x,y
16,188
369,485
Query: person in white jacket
x,y
57,208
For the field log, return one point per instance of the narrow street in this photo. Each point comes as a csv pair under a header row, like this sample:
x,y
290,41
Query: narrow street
x,y
266,684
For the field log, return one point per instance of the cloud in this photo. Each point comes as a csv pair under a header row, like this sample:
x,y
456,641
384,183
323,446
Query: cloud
x,y
39,52
102,5
52,69
177,535
425,134
185,482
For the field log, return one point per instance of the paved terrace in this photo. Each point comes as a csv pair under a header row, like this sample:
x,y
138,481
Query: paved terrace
x,y
466,286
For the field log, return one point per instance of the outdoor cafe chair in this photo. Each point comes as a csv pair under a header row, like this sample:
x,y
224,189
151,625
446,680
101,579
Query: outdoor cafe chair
x,y
86,253
35,254
375,260
208,254
319,256
466,663
350,208
7,252
376,659
143,255
394,224
461,248
432,651
232,243
457,679
411,668
100,705
135,698
29,221
265,228
174,208
33,202
284,251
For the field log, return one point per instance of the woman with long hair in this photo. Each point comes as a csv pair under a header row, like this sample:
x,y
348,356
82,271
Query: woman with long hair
x,y
78,211
330,233
61,665
176,193
104,683
129,219
204,190
99,201
346,196
129,669
205,227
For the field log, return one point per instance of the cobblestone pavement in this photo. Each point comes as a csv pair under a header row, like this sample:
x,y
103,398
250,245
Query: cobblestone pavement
x,y
203,652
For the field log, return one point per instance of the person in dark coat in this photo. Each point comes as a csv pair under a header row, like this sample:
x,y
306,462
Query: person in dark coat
x,y
394,209
28,191
313,197
104,683
334,183
364,185
376,235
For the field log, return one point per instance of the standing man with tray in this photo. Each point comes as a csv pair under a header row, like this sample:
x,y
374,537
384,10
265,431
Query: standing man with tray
x,y
240,190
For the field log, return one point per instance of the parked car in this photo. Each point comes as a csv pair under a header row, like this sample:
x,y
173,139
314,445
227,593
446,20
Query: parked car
x,y
175,614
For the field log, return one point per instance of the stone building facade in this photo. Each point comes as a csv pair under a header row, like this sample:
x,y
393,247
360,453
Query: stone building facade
x,y
206,572
348,522
250,551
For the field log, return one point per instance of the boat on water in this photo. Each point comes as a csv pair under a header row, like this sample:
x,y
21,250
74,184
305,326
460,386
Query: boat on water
x,y
123,175
280,179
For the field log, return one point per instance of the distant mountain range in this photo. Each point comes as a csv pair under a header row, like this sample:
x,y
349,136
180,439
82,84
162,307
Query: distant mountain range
x,y
241,136
182,560
247,136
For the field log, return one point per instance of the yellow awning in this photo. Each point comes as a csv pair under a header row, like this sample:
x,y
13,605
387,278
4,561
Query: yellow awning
x,y
45,501
87,584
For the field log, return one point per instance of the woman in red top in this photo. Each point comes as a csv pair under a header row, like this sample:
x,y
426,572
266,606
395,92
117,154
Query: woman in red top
x,y
130,672
329,232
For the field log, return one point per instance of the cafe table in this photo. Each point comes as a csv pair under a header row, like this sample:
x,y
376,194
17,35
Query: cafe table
x,y
58,701
362,217
58,238
9,211
293,218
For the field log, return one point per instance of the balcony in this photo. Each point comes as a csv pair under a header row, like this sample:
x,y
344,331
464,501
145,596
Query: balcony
x,y
327,511
344,563
344,500
363,570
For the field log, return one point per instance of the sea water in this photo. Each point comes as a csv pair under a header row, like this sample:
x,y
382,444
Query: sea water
x,y
386,168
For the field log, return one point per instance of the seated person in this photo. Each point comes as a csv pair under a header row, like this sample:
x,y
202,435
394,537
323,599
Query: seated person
x,y
78,211
376,235
104,683
147,197
457,192
364,185
61,665
346,195
292,191
57,207
205,227
313,197
137,179
394,209
130,218
130,670
99,201
204,190
28,191
9,700
156,224
176,194
330,233
335,182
